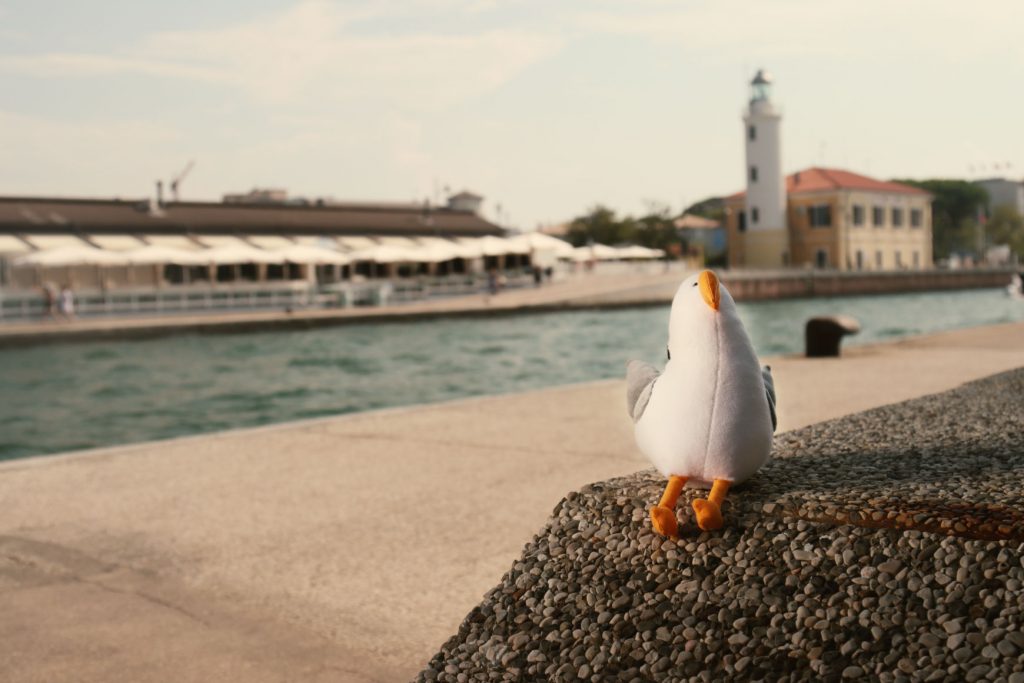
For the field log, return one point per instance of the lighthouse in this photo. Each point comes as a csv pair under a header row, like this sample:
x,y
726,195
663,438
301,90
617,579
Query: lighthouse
x,y
765,235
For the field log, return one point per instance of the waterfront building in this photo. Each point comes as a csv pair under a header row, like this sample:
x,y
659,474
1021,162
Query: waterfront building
x,y
243,227
819,217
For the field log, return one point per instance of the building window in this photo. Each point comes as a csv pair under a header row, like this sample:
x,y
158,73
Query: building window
x,y
878,259
751,132
742,221
821,258
899,259
917,260
860,260
820,216
897,217
858,215
753,174
878,216
915,218
755,215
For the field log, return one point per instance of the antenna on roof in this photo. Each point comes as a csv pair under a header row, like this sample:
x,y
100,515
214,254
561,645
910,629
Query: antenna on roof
x,y
176,180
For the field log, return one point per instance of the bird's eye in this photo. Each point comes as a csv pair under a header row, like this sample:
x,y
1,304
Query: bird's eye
x,y
694,284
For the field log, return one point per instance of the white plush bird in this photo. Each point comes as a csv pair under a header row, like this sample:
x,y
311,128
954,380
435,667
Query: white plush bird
x,y
708,419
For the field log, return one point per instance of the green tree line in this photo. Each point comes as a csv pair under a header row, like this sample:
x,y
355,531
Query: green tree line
x,y
958,223
655,229
600,224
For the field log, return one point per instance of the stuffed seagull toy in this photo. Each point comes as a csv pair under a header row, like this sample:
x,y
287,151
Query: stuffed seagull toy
x,y
708,419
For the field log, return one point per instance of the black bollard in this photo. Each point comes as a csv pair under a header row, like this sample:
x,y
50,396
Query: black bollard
x,y
823,336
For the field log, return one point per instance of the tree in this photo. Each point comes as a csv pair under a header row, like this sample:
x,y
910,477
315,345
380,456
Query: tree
x,y
1006,226
955,207
712,207
598,225
656,230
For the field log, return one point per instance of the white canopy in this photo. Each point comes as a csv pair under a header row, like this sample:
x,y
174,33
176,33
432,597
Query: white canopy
x,y
356,242
304,253
397,241
239,253
116,242
440,245
490,245
270,241
48,242
596,252
446,250
71,256
538,241
173,241
466,248
9,244
638,252
216,241
386,254
156,254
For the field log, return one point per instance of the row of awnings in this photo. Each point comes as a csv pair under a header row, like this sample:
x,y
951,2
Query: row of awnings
x,y
61,250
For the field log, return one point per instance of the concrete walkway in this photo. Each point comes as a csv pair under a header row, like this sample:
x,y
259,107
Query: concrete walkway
x,y
344,548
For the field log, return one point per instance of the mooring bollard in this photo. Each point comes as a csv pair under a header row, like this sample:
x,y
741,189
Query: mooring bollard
x,y
823,336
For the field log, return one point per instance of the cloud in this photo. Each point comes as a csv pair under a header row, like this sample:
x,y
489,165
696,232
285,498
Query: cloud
x,y
315,52
945,30
58,64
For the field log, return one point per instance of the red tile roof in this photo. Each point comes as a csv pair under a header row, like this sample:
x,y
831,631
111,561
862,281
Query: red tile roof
x,y
816,179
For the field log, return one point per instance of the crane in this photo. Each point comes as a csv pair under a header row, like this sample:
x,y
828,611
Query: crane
x,y
176,180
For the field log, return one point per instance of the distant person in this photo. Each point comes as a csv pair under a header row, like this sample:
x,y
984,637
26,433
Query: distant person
x,y
492,281
538,276
549,273
49,301
66,303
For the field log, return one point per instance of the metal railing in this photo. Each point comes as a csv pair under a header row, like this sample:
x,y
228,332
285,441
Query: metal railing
x,y
20,305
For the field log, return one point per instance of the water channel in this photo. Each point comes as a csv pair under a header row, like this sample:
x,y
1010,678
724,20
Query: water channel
x,y
58,398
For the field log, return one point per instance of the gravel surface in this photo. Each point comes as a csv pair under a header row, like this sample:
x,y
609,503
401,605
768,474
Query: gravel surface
x,y
888,545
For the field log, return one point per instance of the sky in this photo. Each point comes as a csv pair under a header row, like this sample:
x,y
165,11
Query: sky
x,y
545,107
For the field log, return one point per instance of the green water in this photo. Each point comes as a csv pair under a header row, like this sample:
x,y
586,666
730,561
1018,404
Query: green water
x,y
67,397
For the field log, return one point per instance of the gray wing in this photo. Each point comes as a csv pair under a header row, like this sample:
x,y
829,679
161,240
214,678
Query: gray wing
x,y
640,378
769,389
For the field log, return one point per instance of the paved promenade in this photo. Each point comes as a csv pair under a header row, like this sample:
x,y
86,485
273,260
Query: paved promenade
x,y
593,290
349,548
608,289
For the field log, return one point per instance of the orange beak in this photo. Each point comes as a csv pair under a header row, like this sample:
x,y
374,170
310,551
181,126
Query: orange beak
x,y
709,289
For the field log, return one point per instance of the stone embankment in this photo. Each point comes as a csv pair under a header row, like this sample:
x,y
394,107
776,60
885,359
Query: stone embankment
x,y
794,284
887,545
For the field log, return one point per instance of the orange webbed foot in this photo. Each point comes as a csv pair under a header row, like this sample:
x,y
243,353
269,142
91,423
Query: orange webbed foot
x,y
709,515
663,520
663,515
709,512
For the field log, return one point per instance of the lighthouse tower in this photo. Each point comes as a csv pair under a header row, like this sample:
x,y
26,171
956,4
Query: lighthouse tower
x,y
766,236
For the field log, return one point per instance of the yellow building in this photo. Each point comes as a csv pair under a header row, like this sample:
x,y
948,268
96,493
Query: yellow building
x,y
839,220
